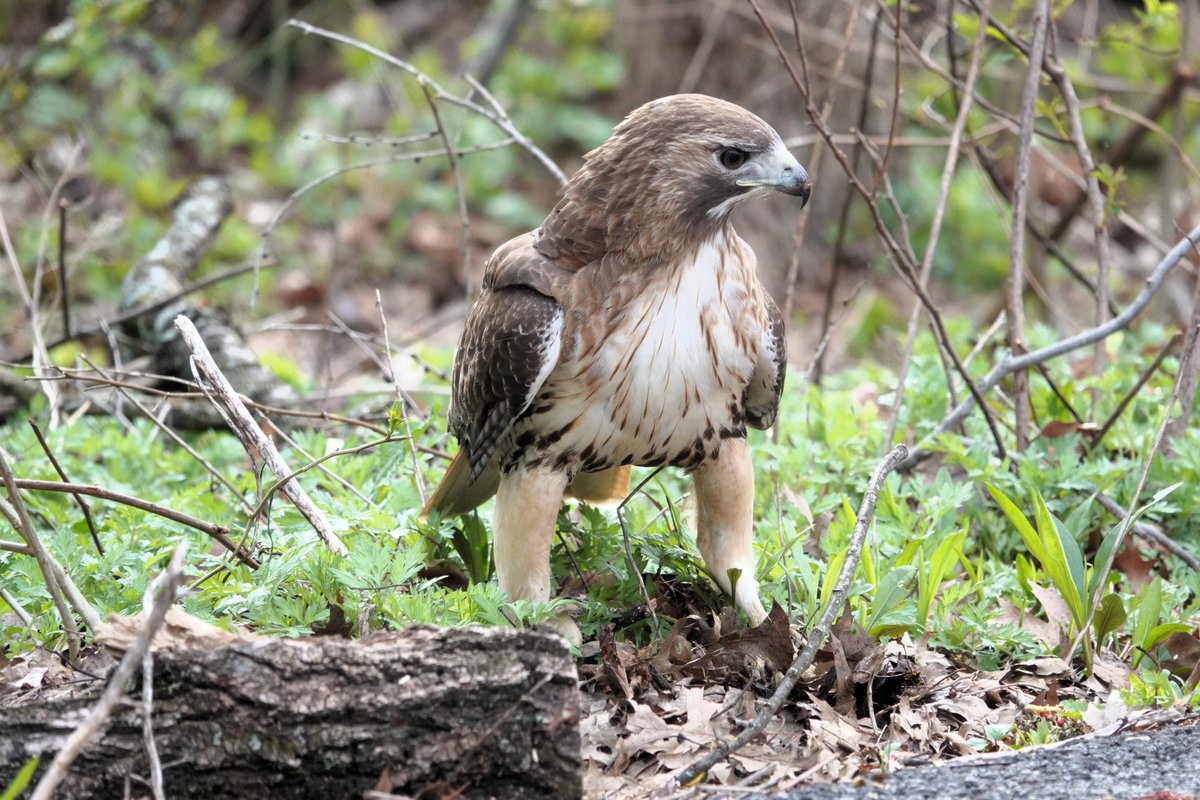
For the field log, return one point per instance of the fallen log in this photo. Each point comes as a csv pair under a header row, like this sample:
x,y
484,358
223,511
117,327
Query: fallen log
x,y
425,712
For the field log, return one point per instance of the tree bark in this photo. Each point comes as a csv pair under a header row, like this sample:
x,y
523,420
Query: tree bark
x,y
421,713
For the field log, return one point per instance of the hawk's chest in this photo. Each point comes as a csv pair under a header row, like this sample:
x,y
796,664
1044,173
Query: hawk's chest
x,y
657,374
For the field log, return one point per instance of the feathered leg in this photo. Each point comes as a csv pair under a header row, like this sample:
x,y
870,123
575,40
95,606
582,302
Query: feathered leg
x,y
527,504
724,490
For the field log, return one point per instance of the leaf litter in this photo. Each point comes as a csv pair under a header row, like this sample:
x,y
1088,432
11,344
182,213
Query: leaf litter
x,y
863,710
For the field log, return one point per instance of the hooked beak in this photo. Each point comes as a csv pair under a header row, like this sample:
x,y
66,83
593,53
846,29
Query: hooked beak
x,y
783,174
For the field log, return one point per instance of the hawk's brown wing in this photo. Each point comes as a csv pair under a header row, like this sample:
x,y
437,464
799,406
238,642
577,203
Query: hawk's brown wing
x,y
766,385
510,344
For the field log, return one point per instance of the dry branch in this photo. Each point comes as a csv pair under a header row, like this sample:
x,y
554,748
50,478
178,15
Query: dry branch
x,y
816,637
217,532
257,444
1010,364
163,589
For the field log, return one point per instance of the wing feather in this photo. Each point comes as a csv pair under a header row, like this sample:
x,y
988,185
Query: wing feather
x,y
509,346
766,385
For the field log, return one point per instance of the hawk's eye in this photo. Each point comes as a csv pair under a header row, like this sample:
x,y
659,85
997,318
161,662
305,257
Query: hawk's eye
x,y
732,158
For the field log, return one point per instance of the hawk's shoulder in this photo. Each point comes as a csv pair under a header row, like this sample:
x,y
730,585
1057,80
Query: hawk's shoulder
x,y
509,346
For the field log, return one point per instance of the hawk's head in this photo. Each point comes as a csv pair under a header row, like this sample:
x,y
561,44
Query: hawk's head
x,y
670,174
702,154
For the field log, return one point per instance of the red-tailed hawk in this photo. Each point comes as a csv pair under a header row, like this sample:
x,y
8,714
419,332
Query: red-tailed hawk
x,y
629,329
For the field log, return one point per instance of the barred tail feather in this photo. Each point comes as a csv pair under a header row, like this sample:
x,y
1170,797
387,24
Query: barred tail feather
x,y
457,494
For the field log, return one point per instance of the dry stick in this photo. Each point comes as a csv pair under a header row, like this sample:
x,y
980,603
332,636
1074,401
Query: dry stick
x,y
900,258
217,532
818,153
15,547
1105,103
40,356
64,295
16,513
939,214
375,162
87,512
1148,531
456,173
86,377
1188,377
257,444
179,441
816,638
16,608
1095,200
1143,379
988,164
164,596
831,285
1007,365
500,120
156,772
1015,285
1045,373
1121,150
1094,600
412,448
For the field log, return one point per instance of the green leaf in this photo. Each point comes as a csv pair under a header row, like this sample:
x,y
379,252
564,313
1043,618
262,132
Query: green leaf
x,y
21,780
1109,617
1147,619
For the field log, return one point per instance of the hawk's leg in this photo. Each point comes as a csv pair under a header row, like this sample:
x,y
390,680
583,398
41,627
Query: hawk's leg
x,y
724,491
527,504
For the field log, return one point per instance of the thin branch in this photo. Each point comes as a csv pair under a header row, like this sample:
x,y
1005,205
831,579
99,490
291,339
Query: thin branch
x,y
1143,379
817,636
164,589
831,285
257,444
1010,364
1015,287
1093,602
818,151
87,512
939,213
412,447
18,516
900,257
218,532
460,193
1150,532
497,118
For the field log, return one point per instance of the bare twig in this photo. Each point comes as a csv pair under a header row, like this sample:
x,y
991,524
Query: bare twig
x,y
497,118
818,151
87,512
1149,531
1143,379
16,607
817,636
1009,364
948,170
1015,294
831,286
164,590
1189,375
900,257
633,566
258,445
18,516
460,193
156,771
218,532
63,294
1094,601
412,447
